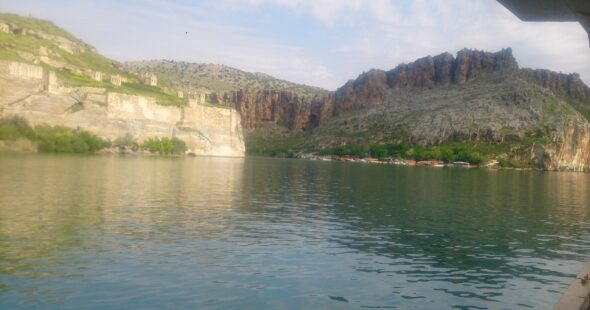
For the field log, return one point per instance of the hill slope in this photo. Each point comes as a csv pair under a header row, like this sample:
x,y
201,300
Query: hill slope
x,y
40,42
215,78
49,77
480,101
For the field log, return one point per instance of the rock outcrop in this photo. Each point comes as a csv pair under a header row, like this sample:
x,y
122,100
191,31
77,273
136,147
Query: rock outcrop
x,y
571,150
565,84
213,131
475,96
300,113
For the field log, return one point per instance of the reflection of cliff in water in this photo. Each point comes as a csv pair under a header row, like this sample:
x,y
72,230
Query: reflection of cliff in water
x,y
463,225
52,207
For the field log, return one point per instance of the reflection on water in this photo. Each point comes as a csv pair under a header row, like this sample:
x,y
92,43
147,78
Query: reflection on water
x,y
134,232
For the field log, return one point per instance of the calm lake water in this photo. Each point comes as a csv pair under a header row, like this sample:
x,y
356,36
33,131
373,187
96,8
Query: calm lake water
x,y
131,232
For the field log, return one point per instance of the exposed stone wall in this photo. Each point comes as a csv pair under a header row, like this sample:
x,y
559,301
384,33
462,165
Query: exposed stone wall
x,y
25,71
138,107
221,124
206,130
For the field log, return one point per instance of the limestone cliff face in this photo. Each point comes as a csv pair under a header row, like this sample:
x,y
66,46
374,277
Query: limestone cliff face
x,y
206,130
571,150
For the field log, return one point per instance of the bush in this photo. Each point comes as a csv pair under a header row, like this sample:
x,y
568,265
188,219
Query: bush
x,y
509,163
164,145
15,128
125,141
378,151
64,140
397,150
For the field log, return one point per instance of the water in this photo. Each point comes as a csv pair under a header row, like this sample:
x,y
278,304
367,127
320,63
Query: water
x,y
126,232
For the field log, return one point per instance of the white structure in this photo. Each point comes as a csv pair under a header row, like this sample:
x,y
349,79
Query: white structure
x,y
97,76
4,28
150,79
51,82
116,80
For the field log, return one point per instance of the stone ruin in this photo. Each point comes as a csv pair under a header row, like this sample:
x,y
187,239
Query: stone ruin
x,y
4,28
198,97
116,80
97,76
51,82
150,79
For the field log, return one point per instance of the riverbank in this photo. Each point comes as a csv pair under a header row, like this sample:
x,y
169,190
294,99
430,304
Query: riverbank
x,y
493,164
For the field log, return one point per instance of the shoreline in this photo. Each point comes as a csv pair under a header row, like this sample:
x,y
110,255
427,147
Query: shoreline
x,y
424,163
344,159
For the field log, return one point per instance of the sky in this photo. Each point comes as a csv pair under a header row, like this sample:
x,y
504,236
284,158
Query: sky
x,y
316,42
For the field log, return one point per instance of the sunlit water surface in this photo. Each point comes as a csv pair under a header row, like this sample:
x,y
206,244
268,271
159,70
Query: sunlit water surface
x,y
128,232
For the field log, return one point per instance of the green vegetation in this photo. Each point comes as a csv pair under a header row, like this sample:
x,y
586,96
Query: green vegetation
x,y
64,140
12,43
446,153
51,138
274,140
15,128
132,88
59,139
511,163
91,60
279,142
126,142
157,93
164,146
216,78
36,24
581,107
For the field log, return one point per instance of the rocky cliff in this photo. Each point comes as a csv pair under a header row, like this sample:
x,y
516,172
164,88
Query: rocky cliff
x,y
26,91
49,76
299,113
475,96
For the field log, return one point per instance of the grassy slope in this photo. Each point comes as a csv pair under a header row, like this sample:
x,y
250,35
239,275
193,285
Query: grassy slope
x,y
90,60
217,78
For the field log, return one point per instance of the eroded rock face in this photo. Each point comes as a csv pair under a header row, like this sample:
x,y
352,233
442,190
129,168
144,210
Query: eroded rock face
x,y
300,113
571,150
565,84
213,131
506,101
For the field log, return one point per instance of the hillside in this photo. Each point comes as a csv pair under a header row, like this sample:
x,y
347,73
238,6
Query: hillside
x,y
477,105
478,101
215,78
34,41
60,94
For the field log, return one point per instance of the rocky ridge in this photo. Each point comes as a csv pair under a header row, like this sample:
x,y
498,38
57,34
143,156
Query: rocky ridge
x,y
299,113
474,97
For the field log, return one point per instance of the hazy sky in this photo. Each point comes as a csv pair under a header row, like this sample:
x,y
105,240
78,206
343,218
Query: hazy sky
x,y
316,42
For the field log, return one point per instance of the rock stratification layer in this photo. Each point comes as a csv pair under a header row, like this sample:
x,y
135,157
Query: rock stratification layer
x,y
25,92
300,112
475,96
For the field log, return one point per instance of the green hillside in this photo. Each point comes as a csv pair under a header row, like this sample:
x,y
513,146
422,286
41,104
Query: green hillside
x,y
215,78
41,42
